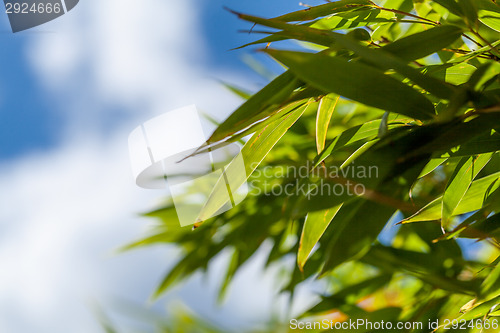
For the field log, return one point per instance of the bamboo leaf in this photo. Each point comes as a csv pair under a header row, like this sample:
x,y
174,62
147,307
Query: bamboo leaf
x,y
254,151
424,43
323,10
366,131
314,227
257,107
465,172
451,5
325,111
356,81
431,166
473,200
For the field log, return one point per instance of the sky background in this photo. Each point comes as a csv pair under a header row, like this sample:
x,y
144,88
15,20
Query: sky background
x,y
70,93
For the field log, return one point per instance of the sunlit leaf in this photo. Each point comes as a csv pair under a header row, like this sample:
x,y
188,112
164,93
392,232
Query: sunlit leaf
x,y
325,111
465,172
356,81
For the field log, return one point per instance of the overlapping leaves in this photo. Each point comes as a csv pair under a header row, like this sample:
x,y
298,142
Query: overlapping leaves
x,y
413,94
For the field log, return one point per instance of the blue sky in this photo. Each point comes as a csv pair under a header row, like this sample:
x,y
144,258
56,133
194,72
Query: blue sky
x,y
27,120
70,93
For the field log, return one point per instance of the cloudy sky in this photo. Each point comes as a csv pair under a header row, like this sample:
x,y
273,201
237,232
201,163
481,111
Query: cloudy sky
x,y
70,93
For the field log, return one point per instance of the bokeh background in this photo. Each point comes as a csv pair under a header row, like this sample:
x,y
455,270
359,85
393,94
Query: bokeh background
x,y
70,93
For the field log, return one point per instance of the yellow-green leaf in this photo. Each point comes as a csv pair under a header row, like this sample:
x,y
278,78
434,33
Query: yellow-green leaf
x,y
314,227
325,111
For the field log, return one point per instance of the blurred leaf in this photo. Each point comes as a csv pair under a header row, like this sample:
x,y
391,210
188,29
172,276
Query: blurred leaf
x,y
469,9
451,5
350,294
422,265
237,90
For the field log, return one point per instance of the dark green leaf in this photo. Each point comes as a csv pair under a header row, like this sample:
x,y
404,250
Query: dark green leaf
x,y
356,81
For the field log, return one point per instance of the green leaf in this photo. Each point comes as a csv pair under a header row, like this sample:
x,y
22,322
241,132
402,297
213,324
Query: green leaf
x,y
314,227
456,75
275,116
360,220
483,74
470,10
337,22
451,5
354,229
323,10
465,172
356,81
360,151
426,267
473,200
490,286
400,152
383,164
350,294
366,131
257,107
235,262
474,54
325,111
456,134
254,151
349,20
490,17
385,59
237,90
424,43
431,166
489,142
481,310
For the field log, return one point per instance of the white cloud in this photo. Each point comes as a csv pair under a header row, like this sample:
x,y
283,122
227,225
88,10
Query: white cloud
x,y
108,66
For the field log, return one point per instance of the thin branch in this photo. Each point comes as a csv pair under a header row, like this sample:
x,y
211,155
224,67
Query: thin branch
x,y
395,11
493,49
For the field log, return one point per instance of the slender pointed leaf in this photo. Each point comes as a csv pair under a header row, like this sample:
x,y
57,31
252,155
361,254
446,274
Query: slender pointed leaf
x,y
465,172
314,227
356,81
325,111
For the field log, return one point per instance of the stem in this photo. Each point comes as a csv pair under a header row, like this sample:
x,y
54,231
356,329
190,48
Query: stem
x,y
406,14
472,40
493,49
460,51
412,21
